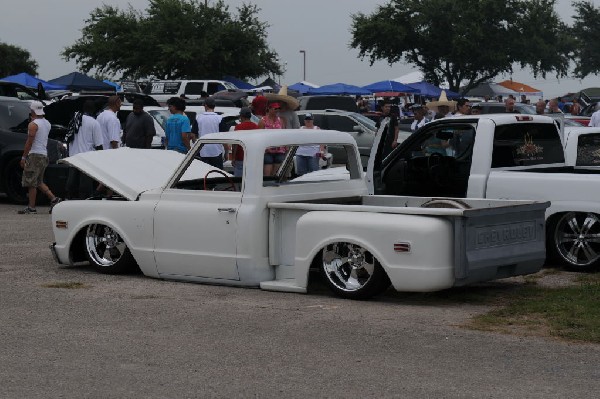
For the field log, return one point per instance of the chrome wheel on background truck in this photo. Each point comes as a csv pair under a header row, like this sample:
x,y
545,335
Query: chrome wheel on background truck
x,y
575,240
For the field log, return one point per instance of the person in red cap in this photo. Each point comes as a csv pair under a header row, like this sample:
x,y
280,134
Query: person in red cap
x,y
274,156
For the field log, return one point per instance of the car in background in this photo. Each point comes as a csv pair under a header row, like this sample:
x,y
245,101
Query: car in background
x,y
14,118
162,90
528,109
17,90
359,126
315,103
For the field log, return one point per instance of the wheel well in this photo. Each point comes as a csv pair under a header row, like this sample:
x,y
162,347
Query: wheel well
x,y
77,250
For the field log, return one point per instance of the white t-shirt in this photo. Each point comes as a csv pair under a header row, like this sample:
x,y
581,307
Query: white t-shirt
x,y
308,150
88,138
40,142
595,119
111,128
208,122
416,125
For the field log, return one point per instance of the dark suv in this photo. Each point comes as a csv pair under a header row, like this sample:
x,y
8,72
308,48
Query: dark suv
x,y
345,103
14,118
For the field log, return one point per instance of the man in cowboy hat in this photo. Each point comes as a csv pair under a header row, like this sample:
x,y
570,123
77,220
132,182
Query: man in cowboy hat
x,y
442,107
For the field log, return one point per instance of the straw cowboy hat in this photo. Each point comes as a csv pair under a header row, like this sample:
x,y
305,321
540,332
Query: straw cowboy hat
x,y
283,97
443,100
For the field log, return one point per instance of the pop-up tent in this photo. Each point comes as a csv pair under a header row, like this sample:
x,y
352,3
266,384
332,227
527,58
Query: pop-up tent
x,y
240,84
489,89
78,81
31,81
429,90
521,88
390,86
339,89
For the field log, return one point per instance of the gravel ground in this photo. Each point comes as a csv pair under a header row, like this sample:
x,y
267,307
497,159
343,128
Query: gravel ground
x,y
137,337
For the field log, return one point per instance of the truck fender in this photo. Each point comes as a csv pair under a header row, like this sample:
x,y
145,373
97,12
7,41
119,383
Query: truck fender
x,y
317,229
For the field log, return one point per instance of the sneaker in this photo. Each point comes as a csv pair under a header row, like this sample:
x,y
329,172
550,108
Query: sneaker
x,y
55,201
27,211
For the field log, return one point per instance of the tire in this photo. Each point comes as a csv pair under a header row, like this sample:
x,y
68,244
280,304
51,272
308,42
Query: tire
x,y
574,241
352,272
13,174
106,250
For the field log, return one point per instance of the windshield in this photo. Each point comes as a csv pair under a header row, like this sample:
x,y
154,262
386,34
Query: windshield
x,y
161,116
14,115
229,86
365,121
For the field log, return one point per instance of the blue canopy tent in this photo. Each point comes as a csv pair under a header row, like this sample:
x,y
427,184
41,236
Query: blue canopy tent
x,y
113,84
339,89
300,87
429,90
390,86
240,84
31,81
78,81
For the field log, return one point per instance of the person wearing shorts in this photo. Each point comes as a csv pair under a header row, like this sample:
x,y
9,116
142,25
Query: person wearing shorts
x,y
274,156
35,158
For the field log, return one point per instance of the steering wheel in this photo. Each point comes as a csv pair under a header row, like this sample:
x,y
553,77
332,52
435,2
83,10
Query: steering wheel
x,y
438,169
231,183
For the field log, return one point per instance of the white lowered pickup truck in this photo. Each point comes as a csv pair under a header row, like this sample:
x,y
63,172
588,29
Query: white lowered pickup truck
x,y
178,218
506,156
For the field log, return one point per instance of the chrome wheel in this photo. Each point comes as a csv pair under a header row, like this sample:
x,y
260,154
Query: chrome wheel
x,y
577,240
352,271
106,249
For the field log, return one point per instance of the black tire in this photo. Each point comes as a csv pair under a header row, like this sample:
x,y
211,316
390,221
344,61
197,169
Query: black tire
x,y
106,250
573,240
13,174
352,272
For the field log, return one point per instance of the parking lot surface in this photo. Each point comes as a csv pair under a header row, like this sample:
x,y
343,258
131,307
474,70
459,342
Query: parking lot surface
x,y
136,337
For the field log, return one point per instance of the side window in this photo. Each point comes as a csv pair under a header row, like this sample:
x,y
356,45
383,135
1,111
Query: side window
x,y
452,141
341,123
194,88
526,144
213,87
588,150
200,176
288,171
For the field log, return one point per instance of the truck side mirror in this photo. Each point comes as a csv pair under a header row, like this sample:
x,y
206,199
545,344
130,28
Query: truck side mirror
x,y
358,129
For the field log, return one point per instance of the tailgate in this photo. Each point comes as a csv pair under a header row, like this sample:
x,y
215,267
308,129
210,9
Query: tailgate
x,y
499,242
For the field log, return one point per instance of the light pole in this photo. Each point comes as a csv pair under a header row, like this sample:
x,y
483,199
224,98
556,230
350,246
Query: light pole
x,y
303,64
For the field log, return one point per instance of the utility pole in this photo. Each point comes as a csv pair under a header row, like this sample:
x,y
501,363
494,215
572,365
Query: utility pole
x,y
303,64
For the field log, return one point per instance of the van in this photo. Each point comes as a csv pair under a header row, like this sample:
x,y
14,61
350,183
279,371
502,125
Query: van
x,y
162,90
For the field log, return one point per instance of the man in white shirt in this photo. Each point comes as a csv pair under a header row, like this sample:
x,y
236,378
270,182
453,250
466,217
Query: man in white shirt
x,y
595,119
88,138
208,122
111,127
420,119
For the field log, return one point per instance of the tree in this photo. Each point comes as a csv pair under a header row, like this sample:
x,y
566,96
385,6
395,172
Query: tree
x,y
586,32
175,39
468,41
14,60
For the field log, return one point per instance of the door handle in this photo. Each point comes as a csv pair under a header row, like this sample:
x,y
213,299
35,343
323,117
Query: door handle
x,y
229,210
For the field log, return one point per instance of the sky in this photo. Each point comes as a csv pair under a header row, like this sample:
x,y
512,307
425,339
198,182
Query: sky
x,y
319,27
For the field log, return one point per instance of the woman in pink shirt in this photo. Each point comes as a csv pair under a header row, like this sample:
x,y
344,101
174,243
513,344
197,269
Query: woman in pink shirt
x,y
274,156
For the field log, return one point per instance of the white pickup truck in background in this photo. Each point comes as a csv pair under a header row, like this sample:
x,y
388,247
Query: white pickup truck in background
x,y
178,218
505,156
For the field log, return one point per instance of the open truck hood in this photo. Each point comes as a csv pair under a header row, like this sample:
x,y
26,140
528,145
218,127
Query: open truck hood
x,y
130,172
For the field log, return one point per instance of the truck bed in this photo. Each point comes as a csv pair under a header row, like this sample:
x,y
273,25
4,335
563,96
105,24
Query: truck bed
x,y
492,238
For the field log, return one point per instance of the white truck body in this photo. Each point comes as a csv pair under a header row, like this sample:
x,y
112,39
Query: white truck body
x,y
181,219
504,156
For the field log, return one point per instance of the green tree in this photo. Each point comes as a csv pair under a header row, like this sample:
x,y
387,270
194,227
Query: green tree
x,y
15,60
465,42
175,39
586,32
